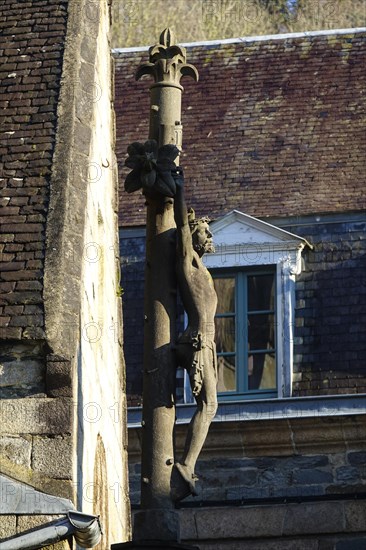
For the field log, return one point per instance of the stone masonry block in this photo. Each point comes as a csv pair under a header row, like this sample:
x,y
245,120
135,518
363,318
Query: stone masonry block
x,y
53,456
7,526
263,544
355,513
36,416
348,474
357,458
58,377
351,544
319,517
312,476
21,376
240,523
16,449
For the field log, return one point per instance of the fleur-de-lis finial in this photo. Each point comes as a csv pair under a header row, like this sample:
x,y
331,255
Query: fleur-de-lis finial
x,y
167,38
167,61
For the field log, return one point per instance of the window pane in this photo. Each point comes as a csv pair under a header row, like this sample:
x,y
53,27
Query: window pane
x,y
261,331
260,292
226,373
262,371
225,290
225,334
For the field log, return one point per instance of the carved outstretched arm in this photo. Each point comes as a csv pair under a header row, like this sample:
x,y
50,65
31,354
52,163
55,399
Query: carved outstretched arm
x,y
184,237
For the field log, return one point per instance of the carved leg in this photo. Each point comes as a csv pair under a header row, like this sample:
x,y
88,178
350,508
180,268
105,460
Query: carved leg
x,y
197,430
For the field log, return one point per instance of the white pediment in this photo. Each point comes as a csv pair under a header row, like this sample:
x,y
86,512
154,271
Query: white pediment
x,y
242,240
238,228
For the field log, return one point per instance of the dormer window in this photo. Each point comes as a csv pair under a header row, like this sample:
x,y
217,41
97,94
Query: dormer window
x,y
254,269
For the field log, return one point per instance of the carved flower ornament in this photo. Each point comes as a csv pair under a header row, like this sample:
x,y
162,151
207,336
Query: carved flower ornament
x,y
151,168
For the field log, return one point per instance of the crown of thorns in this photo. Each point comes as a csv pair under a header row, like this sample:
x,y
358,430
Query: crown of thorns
x,y
193,221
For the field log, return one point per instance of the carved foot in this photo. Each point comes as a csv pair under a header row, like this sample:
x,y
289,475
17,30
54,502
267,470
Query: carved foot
x,y
185,483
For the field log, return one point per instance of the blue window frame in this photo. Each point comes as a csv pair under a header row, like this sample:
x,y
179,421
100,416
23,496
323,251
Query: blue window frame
x,y
246,333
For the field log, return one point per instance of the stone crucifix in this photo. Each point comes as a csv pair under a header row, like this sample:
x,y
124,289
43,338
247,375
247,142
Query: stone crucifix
x,y
175,243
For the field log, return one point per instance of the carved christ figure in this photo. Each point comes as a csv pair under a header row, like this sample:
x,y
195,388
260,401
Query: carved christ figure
x,y
195,349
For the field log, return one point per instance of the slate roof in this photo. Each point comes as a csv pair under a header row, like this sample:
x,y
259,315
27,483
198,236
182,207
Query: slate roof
x,y
31,51
275,126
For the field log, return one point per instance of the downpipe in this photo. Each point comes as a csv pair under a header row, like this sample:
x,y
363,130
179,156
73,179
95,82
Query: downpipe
x,y
86,530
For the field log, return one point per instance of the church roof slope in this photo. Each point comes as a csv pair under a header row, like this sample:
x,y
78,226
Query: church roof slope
x,y
31,52
275,126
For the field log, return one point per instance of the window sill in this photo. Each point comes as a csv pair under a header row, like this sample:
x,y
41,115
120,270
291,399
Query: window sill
x,y
270,409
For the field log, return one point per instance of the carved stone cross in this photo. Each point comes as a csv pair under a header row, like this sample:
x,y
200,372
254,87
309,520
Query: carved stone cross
x,y
153,164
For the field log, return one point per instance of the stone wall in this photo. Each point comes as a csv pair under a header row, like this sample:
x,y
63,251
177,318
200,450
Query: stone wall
x,y
332,525
290,484
63,432
274,460
101,434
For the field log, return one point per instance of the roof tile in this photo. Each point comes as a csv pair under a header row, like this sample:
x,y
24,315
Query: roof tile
x,y
273,128
31,46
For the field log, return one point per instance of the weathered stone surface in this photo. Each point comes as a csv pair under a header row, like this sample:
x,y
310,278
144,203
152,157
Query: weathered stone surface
x,y
148,522
58,377
315,517
261,544
348,474
355,515
22,367
243,475
36,416
16,449
312,477
240,522
318,525
21,378
351,544
357,458
53,456
7,526
188,526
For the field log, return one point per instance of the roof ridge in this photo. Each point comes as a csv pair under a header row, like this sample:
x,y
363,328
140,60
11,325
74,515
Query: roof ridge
x,y
257,38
